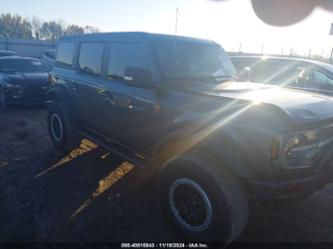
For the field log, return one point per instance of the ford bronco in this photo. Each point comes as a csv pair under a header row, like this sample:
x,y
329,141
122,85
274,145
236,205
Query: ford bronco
x,y
171,103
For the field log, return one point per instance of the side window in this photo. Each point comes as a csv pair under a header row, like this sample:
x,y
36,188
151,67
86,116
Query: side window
x,y
322,80
287,72
276,72
240,64
65,53
258,72
90,58
123,57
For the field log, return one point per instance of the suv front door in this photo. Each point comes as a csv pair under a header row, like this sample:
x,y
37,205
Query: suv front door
x,y
130,109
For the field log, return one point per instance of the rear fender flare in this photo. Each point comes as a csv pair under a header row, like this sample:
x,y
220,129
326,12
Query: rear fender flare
x,y
60,94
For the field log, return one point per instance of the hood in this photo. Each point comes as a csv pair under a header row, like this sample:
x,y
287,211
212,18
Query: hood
x,y
28,79
301,106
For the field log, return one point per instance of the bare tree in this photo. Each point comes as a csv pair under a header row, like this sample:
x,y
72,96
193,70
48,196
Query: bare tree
x,y
74,30
15,26
91,30
36,24
51,31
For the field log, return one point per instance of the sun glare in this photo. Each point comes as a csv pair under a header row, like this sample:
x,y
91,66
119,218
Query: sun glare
x,y
105,184
84,148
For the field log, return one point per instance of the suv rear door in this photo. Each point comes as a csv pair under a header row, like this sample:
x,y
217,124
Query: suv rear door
x,y
87,84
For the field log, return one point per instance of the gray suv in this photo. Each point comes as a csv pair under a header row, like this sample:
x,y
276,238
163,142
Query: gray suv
x,y
170,104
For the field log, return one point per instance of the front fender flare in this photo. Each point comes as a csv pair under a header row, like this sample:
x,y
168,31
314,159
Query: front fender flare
x,y
222,147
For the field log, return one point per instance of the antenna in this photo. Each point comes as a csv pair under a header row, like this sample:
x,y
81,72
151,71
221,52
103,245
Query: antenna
x,y
176,25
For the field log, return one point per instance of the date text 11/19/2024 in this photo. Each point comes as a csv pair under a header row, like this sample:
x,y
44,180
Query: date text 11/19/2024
x,y
164,245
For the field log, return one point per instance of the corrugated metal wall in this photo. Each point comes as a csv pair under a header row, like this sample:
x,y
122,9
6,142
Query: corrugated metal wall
x,y
34,48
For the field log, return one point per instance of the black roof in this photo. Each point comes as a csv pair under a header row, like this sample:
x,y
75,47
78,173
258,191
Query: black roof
x,y
128,36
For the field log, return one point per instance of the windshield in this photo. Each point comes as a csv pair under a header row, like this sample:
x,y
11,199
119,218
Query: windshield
x,y
192,62
21,66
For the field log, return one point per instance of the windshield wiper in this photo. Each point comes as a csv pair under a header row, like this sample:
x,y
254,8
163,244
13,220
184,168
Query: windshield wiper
x,y
195,80
224,77
310,89
188,78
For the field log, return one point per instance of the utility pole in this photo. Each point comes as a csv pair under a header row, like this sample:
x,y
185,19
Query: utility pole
x,y
176,25
7,43
262,48
331,33
240,48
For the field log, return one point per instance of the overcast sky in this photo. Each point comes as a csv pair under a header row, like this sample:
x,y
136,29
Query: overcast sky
x,y
230,23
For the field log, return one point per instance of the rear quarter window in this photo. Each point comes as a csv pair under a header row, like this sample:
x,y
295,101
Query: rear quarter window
x,y
65,53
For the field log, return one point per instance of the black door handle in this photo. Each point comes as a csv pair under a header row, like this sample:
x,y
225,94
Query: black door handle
x,y
106,95
104,92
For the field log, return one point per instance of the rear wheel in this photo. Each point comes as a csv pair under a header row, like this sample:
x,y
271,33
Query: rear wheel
x,y
202,203
61,130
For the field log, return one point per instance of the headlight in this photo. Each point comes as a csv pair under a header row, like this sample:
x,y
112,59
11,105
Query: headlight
x,y
311,135
302,151
15,91
9,85
295,141
17,86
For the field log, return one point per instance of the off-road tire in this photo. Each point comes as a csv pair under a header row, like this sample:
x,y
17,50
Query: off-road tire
x,y
228,199
69,138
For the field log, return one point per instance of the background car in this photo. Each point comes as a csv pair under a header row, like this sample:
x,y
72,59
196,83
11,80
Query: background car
x,y
48,58
23,80
6,53
287,71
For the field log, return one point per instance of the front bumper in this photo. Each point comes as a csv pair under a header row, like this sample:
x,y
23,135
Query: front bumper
x,y
18,97
295,189
301,185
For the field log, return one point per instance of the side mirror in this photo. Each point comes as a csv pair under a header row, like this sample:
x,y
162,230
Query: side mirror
x,y
138,76
244,74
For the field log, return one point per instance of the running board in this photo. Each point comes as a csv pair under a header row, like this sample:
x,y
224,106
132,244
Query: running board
x,y
117,149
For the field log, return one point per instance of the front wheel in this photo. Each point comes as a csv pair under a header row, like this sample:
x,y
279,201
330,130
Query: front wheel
x,y
203,205
61,130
